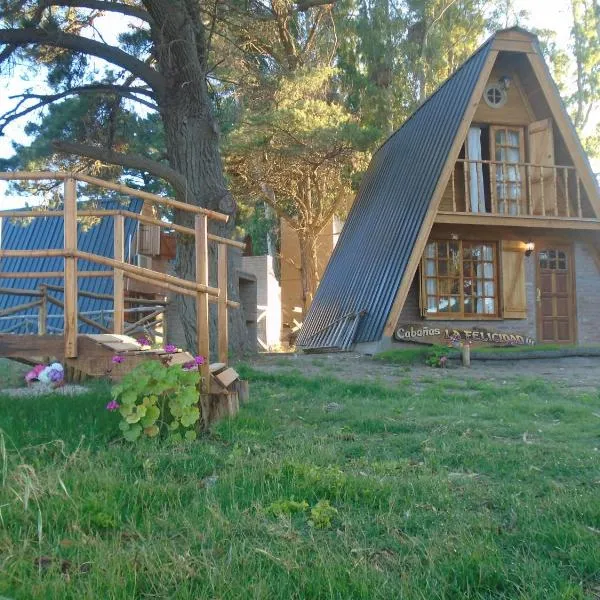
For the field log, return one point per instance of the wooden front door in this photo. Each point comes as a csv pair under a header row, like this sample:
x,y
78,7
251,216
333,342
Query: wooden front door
x,y
555,307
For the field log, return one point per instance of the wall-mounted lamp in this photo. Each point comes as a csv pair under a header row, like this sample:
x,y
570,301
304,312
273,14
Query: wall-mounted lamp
x,y
529,248
505,80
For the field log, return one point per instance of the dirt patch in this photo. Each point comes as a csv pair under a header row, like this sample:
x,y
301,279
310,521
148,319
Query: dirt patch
x,y
580,374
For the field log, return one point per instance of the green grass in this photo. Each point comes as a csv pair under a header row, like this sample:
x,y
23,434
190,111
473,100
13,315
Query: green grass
x,y
405,356
449,492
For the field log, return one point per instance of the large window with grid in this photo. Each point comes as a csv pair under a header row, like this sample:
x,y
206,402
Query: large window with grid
x,y
507,174
460,279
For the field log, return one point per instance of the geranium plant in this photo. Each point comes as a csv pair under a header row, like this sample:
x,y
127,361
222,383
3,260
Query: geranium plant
x,y
157,398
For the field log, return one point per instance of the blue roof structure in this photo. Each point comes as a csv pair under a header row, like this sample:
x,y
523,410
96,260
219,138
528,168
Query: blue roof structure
x,y
43,233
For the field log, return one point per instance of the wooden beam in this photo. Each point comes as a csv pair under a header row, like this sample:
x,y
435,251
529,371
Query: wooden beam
x,y
417,252
118,275
153,276
52,274
81,318
50,252
155,199
43,311
33,176
15,309
521,221
70,248
223,342
181,228
202,313
20,292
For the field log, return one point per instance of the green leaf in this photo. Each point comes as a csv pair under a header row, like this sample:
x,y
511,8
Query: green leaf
x,y
152,414
190,415
136,414
190,435
133,434
124,426
129,397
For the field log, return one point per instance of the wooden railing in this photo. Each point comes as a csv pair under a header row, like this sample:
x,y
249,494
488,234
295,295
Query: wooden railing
x,y
516,189
199,289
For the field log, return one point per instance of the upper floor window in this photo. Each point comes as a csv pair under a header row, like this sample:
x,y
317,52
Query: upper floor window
x,y
495,95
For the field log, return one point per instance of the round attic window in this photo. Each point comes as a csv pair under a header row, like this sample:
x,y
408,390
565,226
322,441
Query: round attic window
x,y
495,95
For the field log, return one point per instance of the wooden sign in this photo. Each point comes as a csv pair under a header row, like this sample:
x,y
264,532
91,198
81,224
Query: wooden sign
x,y
475,336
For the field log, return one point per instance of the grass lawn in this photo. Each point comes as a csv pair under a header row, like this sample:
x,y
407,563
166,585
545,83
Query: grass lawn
x,y
441,490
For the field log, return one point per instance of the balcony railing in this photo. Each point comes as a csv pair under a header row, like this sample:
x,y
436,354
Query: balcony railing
x,y
514,189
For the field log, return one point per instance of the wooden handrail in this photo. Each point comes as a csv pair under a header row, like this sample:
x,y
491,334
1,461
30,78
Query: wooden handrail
x,y
519,164
53,274
150,275
21,292
117,187
19,308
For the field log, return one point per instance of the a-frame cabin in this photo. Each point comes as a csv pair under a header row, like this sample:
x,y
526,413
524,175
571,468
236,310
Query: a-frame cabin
x,y
481,212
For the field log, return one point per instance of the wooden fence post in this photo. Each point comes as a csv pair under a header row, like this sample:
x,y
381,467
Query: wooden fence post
x,y
118,276
202,315
43,311
70,294
222,304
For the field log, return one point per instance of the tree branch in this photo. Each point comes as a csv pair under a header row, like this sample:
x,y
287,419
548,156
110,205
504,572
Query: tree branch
x,y
101,5
45,99
304,5
77,43
129,161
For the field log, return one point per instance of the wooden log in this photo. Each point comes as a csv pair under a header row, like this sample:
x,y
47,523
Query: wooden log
x,y
579,212
70,246
181,229
43,312
33,176
148,274
123,189
227,377
555,192
20,292
81,318
53,275
143,320
222,325
202,314
50,252
118,275
529,195
453,191
466,355
15,309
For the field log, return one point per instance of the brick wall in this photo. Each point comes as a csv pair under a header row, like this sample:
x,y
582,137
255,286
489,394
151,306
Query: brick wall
x,y
587,288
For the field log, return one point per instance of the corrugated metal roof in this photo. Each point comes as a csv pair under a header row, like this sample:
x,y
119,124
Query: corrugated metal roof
x,y
369,260
47,232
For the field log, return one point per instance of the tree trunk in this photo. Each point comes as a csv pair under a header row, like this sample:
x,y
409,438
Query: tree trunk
x,y
309,272
192,140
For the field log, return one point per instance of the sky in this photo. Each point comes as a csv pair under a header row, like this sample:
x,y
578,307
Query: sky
x,y
544,14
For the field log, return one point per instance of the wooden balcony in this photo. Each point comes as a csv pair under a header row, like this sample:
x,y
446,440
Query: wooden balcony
x,y
502,189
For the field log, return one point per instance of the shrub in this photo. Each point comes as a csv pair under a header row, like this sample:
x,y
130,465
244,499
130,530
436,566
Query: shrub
x,y
158,399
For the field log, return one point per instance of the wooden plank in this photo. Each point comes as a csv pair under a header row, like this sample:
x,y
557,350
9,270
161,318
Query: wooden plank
x,y
417,252
227,377
70,246
202,313
222,325
118,275
26,346
217,367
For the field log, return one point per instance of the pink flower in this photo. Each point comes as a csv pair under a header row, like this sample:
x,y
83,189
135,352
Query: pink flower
x,y
118,359
113,405
199,360
170,349
34,373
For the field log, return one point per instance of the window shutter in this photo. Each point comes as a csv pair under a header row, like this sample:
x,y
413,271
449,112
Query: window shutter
x,y
514,300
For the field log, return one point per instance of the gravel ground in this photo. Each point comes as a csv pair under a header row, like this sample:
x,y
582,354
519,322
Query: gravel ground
x,y
581,374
